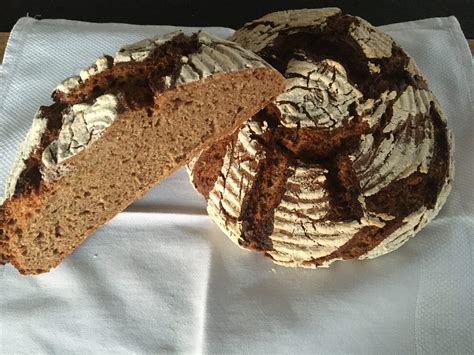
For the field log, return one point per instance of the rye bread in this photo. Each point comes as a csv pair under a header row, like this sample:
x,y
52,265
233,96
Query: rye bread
x,y
116,130
349,162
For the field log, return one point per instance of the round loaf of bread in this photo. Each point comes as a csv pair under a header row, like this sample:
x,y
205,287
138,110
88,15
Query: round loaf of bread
x,y
349,162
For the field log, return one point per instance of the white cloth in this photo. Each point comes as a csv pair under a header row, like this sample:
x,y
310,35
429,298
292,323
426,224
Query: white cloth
x,y
160,277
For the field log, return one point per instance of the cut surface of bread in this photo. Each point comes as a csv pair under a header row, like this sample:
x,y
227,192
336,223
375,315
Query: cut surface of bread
x,y
116,130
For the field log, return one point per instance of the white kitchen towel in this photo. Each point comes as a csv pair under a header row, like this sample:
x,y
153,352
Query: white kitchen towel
x,y
161,278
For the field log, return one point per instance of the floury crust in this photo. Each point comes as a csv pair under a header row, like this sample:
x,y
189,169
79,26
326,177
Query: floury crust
x,y
349,162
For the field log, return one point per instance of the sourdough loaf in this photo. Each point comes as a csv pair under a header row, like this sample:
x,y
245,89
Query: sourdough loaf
x,y
118,128
349,162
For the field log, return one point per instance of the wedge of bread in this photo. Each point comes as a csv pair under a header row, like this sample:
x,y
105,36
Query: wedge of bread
x,y
116,130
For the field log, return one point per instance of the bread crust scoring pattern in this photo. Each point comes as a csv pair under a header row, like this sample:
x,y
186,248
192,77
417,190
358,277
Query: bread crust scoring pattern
x,y
348,163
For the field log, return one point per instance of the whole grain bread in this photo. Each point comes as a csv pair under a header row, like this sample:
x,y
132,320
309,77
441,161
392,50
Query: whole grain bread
x,y
349,162
117,129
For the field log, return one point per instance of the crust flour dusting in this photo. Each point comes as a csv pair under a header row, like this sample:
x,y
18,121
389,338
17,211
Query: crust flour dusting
x,y
384,167
82,125
215,55
31,141
317,94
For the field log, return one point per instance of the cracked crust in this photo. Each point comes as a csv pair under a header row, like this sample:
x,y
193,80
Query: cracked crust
x,y
117,130
356,153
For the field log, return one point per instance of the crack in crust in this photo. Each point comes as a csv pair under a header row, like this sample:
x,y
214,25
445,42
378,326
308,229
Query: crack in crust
x,y
363,138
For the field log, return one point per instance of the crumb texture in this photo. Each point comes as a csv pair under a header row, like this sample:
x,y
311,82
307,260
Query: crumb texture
x,y
350,161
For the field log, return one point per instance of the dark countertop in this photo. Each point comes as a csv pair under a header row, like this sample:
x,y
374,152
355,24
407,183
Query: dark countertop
x,y
229,14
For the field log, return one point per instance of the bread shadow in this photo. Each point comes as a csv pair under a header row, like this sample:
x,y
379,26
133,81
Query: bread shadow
x,y
167,209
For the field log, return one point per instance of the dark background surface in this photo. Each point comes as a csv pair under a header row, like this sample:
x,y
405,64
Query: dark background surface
x,y
227,13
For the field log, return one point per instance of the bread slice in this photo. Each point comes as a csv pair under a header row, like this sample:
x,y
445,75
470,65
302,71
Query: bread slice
x,y
116,130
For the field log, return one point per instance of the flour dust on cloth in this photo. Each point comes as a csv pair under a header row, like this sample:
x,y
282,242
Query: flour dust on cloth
x,y
160,277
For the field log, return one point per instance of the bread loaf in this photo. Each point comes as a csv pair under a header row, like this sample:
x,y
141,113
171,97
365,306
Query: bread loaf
x,y
117,129
349,162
